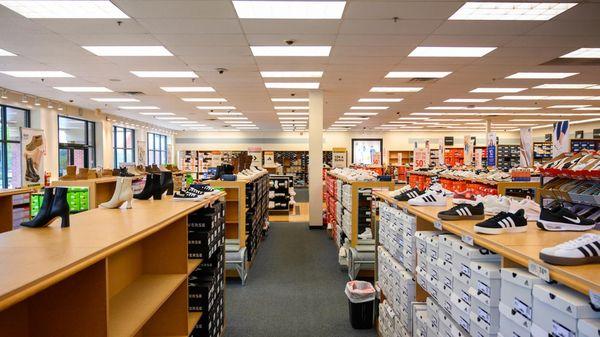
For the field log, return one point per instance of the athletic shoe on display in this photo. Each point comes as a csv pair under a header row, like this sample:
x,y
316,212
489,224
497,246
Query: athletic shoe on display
x,y
494,204
532,208
463,212
204,188
437,188
583,250
413,193
366,235
404,188
189,195
465,197
503,222
561,219
429,199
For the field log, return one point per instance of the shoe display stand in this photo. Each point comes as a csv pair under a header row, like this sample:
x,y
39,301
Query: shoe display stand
x,y
245,220
542,152
397,158
581,188
8,207
578,145
507,157
295,163
408,283
113,272
279,193
77,197
348,213
198,163
101,189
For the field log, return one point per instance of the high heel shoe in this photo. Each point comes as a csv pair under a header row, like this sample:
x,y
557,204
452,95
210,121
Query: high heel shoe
x,y
166,183
123,194
151,188
54,205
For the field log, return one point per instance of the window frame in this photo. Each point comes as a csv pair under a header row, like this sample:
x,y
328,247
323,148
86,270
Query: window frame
x,y
162,149
4,138
90,142
124,148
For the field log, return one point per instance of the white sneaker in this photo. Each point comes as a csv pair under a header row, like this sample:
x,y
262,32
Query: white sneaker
x,y
532,208
366,235
493,204
437,188
429,199
582,250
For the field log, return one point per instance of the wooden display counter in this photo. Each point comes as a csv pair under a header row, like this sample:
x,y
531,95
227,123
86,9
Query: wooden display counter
x,y
101,189
516,248
114,272
6,206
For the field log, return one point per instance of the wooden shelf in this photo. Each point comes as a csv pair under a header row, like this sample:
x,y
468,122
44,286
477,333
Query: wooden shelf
x,y
520,248
133,306
193,318
193,264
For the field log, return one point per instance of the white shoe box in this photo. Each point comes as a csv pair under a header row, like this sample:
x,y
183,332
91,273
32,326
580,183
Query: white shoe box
x,y
461,296
422,278
445,323
556,310
445,278
422,261
432,287
485,282
421,240
410,260
460,316
508,327
407,288
445,247
477,331
464,254
433,247
588,328
432,268
420,323
409,240
405,314
516,294
445,302
486,317
458,330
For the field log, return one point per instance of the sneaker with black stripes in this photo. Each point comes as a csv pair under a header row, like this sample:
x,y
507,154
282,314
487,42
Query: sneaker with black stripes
x,y
503,222
583,250
463,212
561,219
413,193
429,199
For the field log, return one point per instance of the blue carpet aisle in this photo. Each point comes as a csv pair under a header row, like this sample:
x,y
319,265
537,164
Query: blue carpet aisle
x,y
294,289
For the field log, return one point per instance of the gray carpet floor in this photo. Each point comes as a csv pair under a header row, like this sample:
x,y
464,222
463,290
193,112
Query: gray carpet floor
x,y
295,288
301,194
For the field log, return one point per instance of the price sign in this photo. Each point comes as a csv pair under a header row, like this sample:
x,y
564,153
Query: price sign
x,y
539,271
468,239
438,225
419,158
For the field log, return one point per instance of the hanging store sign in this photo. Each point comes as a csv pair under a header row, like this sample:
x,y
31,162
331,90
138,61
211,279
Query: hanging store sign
x,y
491,149
256,154
33,149
269,158
526,148
468,147
560,138
420,158
340,158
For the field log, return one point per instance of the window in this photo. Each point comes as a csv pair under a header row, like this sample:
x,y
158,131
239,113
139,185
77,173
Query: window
x,y
123,144
76,143
11,120
157,149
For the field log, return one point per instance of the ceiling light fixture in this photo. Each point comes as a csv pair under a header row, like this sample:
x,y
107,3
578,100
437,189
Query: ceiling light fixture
x,y
293,118
37,74
170,118
305,51
289,9
396,89
451,51
292,85
83,89
498,90
216,107
516,11
361,113
60,107
164,74
380,100
3,94
292,74
24,99
583,53
194,99
188,89
128,50
65,9
115,100
37,101
538,75
4,52
292,114
297,107
157,113
467,100
369,107
543,98
228,113
50,105
139,107
567,106
417,74
564,86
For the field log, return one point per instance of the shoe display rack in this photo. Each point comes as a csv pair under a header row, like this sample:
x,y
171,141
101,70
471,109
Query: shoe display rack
x,y
198,162
279,193
294,163
11,211
542,152
113,272
100,189
348,213
507,157
246,215
467,282
397,158
77,197
578,145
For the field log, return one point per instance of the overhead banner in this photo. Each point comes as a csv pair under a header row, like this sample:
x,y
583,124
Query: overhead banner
x,y
339,157
256,154
419,158
478,159
441,150
491,149
141,152
33,149
526,148
269,158
468,150
560,138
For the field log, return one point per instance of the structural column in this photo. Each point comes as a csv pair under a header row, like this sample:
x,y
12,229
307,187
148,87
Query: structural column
x,y
315,158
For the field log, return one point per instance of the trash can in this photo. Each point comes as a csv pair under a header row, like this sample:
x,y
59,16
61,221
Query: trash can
x,y
361,299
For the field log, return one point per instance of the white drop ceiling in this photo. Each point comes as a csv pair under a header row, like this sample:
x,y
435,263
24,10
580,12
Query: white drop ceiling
x,y
373,37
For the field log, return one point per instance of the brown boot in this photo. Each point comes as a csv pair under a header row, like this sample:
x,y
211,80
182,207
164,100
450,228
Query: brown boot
x,y
83,174
71,173
107,172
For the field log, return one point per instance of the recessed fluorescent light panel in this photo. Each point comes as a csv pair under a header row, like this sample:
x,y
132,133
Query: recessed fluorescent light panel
x,y
37,74
292,85
451,51
165,74
583,53
4,52
139,107
273,74
369,107
516,11
216,107
115,100
564,86
289,99
535,75
291,107
289,9
498,90
395,89
232,118
306,51
188,89
467,100
128,50
568,106
157,113
83,89
43,9
225,113
361,113
380,100
170,118
418,74
292,114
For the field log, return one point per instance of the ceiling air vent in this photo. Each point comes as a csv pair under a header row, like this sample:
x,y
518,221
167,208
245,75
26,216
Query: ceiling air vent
x,y
422,79
573,62
132,93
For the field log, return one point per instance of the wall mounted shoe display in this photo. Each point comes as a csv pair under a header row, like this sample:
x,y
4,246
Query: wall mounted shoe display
x,y
123,194
151,188
54,205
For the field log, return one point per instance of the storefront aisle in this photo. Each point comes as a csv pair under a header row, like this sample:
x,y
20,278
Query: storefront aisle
x,y
294,289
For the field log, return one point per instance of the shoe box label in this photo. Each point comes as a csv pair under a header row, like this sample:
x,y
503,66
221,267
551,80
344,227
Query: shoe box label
x,y
485,316
468,239
483,288
522,308
539,271
437,225
464,323
466,270
559,330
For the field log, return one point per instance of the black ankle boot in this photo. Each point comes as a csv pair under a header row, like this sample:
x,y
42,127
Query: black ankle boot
x,y
43,216
147,192
166,183
60,206
157,190
124,173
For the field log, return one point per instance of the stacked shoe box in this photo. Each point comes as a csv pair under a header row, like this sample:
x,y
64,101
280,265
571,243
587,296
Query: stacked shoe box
x,y
257,202
206,284
387,320
516,302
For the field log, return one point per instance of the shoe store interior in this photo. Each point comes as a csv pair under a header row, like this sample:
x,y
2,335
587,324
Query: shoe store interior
x,y
292,168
